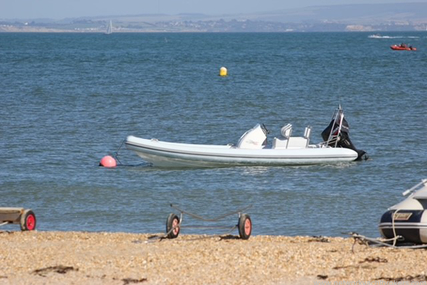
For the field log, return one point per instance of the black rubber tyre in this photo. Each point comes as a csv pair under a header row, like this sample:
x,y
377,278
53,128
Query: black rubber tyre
x,y
245,226
28,221
172,226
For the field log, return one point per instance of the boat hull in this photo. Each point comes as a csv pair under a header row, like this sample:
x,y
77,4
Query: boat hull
x,y
166,154
395,47
410,224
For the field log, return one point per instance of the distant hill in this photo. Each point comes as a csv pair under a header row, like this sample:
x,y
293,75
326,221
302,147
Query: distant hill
x,y
352,14
356,17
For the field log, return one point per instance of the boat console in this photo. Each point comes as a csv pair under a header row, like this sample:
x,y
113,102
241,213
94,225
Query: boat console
x,y
255,138
288,142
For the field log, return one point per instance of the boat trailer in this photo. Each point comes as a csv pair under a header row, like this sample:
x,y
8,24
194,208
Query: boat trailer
x,y
24,217
174,222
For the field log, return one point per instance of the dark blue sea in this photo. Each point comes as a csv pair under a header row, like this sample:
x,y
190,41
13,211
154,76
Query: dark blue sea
x,y
67,100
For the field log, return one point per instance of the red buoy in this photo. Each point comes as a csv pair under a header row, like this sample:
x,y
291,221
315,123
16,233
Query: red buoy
x,y
108,161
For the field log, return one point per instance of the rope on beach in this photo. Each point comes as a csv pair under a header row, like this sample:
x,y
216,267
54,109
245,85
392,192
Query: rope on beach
x,y
225,235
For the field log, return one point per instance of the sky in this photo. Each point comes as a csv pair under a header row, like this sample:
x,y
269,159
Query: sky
x,y
60,9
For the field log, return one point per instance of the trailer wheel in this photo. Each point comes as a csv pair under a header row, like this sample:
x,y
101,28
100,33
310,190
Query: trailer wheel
x,y
245,226
28,221
172,226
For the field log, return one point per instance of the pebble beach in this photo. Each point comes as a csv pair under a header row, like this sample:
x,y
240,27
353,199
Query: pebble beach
x,y
39,257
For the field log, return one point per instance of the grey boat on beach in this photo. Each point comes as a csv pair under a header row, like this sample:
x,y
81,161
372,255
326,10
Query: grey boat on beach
x,y
407,220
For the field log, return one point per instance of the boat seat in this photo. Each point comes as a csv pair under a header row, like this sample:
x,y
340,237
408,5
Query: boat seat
x,y
286,131
297,142
282,143
292,142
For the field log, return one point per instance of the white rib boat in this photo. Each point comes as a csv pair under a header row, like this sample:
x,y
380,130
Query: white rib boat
x,y
252,149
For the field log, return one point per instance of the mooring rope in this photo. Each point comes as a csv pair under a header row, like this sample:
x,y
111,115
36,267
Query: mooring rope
x,y
116,154
383,242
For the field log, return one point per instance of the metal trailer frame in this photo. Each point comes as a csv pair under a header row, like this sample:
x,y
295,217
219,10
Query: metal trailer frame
x,y
24,217
174,223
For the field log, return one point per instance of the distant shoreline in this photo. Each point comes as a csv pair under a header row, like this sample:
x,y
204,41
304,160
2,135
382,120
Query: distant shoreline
x,y
98,31
324,18
55,31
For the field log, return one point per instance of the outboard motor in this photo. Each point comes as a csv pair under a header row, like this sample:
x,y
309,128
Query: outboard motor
x,y
337,134
255,138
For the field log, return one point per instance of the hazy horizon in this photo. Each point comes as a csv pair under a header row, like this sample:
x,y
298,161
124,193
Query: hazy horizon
x,y
60,9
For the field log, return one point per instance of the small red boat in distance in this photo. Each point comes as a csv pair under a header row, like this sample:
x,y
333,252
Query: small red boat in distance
x,y
402,47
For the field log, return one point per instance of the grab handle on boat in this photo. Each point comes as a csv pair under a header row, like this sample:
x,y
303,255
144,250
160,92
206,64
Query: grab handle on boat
x,y
412,189
286,131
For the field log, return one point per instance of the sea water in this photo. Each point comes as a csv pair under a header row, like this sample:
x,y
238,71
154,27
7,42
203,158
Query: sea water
x,y
67,100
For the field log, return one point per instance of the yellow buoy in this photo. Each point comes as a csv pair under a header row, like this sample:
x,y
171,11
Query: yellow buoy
x,y
223,71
